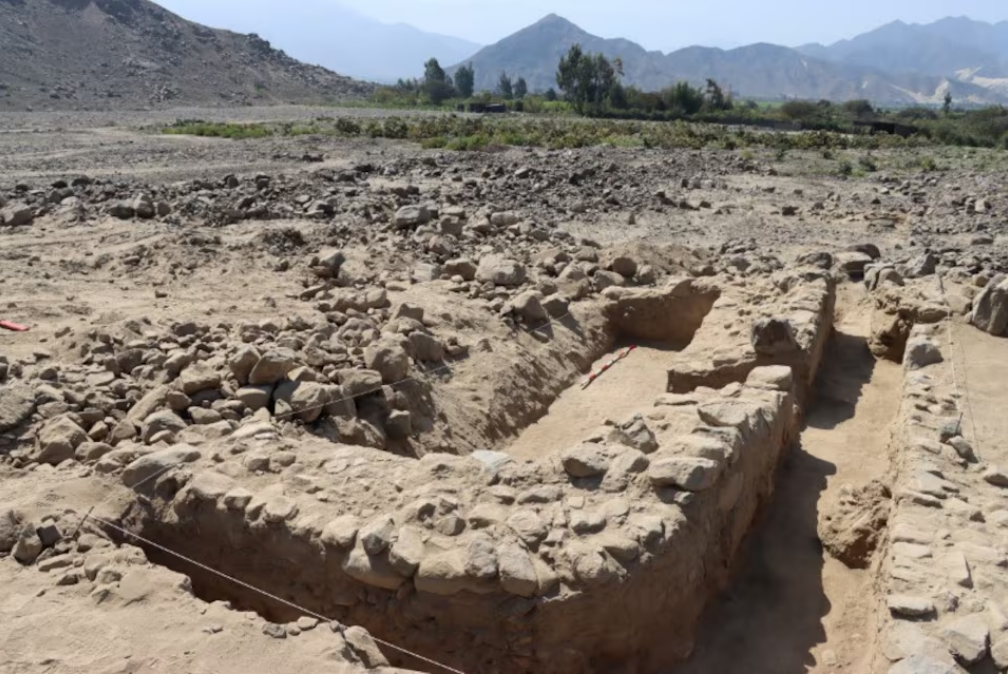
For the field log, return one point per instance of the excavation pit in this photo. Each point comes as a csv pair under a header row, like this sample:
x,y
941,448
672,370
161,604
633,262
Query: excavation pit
x,y
599,553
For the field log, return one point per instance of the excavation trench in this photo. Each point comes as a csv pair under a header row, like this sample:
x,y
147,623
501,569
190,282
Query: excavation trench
x,y
792,608
621,579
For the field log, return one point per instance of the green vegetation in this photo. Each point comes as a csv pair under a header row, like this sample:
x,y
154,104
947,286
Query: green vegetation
x,y
195,127
551,131
465,80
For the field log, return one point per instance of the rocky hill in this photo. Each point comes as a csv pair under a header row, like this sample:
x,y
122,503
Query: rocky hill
x,y
134,53
959,48
758,71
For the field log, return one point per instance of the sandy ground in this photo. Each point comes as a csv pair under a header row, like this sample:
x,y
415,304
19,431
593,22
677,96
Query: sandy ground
x,y
614,395
793,608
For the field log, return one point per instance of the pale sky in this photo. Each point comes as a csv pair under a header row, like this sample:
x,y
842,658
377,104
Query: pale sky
x,y
656,24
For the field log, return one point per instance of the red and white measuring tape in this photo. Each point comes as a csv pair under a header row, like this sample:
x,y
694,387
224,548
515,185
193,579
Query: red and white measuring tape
x,y
605,366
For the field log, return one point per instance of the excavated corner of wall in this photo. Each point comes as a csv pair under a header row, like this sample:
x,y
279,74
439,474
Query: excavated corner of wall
x,y
751,328
599,556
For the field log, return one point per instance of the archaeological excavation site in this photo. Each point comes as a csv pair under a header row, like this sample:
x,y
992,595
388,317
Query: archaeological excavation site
x,y
571,411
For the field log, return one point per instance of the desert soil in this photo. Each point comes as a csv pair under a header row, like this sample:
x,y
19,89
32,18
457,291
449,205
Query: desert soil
x,y
231,253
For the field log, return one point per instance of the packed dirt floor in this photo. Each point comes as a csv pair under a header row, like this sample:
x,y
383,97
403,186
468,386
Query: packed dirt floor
x,y
350,374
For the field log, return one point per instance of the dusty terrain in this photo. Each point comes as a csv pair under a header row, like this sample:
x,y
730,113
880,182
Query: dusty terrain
x,y
350,375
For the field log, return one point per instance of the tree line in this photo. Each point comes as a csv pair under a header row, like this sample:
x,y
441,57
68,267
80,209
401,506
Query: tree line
x,y
437,86
591,84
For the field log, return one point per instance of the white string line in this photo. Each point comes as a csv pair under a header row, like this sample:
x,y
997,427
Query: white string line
x,y
268,595
435,370
955,383
969,399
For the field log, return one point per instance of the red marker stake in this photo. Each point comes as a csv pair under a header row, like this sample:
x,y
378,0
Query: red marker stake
x,y
605,366
7,325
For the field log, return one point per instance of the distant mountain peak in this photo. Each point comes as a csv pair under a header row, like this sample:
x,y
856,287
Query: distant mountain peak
x,y
553,17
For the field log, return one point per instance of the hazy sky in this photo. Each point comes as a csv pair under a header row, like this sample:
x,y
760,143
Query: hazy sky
x,y
656,24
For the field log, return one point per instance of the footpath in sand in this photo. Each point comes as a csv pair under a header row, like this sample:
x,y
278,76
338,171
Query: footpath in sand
x,y
793,608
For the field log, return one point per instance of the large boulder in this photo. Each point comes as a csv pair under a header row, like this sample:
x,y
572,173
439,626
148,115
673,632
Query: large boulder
x,y
389,359
157,463
17,402
15,215
921,352
686,473
59,439
272,366
990,309
10,528
463,267
303,399
159,422
198,377
585,460
528,307
500,271
411,217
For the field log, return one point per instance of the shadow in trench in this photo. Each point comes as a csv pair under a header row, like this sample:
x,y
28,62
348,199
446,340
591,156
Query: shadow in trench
x,y
768,620
847,368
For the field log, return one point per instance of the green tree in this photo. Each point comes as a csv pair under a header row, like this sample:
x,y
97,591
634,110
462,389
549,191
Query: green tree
x,y
520,88
859,109
587,79
799,110
684,99
465,80
551,94
436,84
715,97
433,72
505,87
947,105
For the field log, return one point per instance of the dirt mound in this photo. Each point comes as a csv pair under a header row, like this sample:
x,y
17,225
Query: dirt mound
x,y
852,525
133,53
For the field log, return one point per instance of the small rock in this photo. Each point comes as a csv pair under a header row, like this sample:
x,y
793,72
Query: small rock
x,y
968,638
995,476
909,606
585,460
275,631
500,271
690,474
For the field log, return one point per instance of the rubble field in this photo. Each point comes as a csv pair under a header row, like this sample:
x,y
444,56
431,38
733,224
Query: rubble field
x,y
309,402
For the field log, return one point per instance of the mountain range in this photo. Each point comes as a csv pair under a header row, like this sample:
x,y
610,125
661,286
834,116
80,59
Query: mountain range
x,y
115,53
896,64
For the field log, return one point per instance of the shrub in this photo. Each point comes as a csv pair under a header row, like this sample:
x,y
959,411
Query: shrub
x,y
394,127
348,126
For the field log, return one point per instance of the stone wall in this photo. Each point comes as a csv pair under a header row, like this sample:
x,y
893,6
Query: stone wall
x,y
753,327
942,581
598,556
